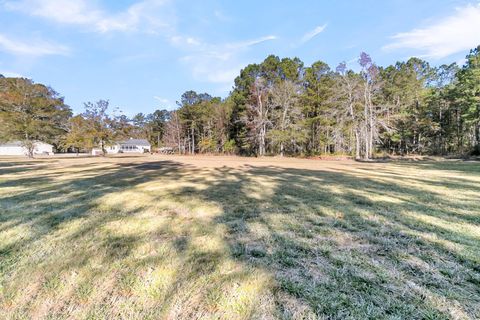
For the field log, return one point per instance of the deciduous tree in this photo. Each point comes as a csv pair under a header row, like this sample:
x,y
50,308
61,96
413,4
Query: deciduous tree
x,y
31,112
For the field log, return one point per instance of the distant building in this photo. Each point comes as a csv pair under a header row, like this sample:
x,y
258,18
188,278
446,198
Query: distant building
x,y
97,152
15,148
130,146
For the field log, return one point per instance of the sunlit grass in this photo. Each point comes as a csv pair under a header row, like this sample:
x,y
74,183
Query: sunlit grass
x,y
232,238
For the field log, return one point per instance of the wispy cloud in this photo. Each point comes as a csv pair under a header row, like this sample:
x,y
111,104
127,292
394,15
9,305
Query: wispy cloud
x,y
161,100
450,35
253,42
165,103
217,63
31,47
141,15
313,33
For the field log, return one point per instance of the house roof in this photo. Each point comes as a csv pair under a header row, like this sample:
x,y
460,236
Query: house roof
x,y
135,142
11,144
18,144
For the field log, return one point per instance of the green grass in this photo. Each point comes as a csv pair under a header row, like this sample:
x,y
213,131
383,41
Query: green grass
x,y
230,238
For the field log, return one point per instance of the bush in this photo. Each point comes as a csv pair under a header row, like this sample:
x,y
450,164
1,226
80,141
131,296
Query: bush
x,y
207,145
229,146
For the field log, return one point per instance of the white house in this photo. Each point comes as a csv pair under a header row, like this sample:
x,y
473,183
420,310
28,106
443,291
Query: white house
x,y
15,148
130,146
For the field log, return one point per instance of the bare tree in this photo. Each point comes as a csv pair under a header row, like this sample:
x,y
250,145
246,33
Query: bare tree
x,y
286,112
174,133
371,84
347,98
258,111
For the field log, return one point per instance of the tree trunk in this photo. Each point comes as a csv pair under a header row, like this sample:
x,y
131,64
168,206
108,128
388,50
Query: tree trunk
x,y
365,133
357,144
261,147
30,149
366,117
193,140
180,149
477,138
29,145
370,138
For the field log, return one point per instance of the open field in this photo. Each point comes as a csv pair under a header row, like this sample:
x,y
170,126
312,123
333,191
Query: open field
x,y
237,238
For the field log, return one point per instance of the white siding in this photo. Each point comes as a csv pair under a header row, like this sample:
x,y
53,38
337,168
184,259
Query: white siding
x,y
113,149
118,148
12,150
43,148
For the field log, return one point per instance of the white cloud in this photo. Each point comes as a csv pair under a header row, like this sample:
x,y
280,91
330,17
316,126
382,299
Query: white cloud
x,y
162,100
313,33
450,35
31,48
143,14
165,103
253,42
178,40
217,63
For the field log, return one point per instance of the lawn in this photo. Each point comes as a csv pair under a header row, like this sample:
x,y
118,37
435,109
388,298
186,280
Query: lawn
x,y
169,237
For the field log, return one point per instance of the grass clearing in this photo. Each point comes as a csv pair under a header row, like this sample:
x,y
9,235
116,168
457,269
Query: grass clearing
x,y
225,237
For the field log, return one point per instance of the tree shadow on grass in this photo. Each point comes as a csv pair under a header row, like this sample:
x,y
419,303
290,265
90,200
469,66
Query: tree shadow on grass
x,y
44,203
13,167
346,254
338,244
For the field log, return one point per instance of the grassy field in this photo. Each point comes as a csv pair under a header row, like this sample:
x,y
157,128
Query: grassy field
x,y
231,238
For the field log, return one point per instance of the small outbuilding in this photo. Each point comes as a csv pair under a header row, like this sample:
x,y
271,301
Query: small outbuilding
x,y
15,148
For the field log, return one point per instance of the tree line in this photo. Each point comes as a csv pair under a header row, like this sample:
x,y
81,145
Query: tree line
x,y
282,107
278,107
31,112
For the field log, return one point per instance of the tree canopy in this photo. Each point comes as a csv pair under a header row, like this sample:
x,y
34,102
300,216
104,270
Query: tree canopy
x,y
279,106
31,112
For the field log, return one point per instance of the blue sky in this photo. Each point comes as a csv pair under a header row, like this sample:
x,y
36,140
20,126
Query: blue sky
x,y
142,55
